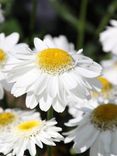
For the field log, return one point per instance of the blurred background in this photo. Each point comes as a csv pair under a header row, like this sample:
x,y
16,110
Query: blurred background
x,y
81,21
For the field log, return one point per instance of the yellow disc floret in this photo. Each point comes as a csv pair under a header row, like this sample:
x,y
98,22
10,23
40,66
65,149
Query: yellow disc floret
x,y
6,118
2,56
29,125
105,89
106,85
53,60
105,116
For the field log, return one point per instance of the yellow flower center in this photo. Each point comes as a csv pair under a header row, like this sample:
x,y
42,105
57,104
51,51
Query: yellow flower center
x,y
105,116
29,125
105,90
2,56
106,85
6,118
53,60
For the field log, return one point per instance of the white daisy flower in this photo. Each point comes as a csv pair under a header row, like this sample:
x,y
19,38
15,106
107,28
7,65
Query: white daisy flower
x,y
8,50
108,38
28,134
2,18
11,117
97,131
108,93
78,108
110,70
52,72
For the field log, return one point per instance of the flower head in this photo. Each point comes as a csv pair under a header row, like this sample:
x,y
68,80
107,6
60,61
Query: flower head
x,y
27,134
108,38
8,50
107,93
96,130
110,69
78,107
53,72
11,117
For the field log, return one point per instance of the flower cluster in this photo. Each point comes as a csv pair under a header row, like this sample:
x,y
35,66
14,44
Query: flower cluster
x,y
95,120
54,76
22,130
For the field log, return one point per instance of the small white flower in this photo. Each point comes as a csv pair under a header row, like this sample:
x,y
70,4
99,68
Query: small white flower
x,y
11,117
53,72
78,108
107,93
1,15
110,70
28,134
108,38
97,130
8,50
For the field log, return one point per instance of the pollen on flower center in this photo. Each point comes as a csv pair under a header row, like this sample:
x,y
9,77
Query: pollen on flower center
x,y
29,125
6,118
53,60
105,116
2,56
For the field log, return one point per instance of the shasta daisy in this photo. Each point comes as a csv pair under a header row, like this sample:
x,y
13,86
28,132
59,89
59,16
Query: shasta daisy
x,y
53,72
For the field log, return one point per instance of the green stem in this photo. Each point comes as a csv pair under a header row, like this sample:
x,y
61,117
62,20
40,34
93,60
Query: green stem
x,y
33,16
81,28
49,116
8,8
110,11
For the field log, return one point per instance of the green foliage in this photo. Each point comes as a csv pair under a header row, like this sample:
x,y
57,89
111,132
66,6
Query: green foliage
x,y
10,26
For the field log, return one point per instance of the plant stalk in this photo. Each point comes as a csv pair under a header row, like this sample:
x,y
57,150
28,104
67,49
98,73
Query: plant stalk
x,y
82,19
110,11
33,16
49,116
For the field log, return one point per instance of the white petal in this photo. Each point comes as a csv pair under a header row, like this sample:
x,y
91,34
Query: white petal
x,y
38,142
11,40
106,140
49,42
58,105
89,70
97,148
47,141
69,80
113,22
18,91
61,42
84,138
39,44
45,104
26,80
93,84
21,148
52,86
31,147
1,92
31,101
79,51
71,135
114,143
